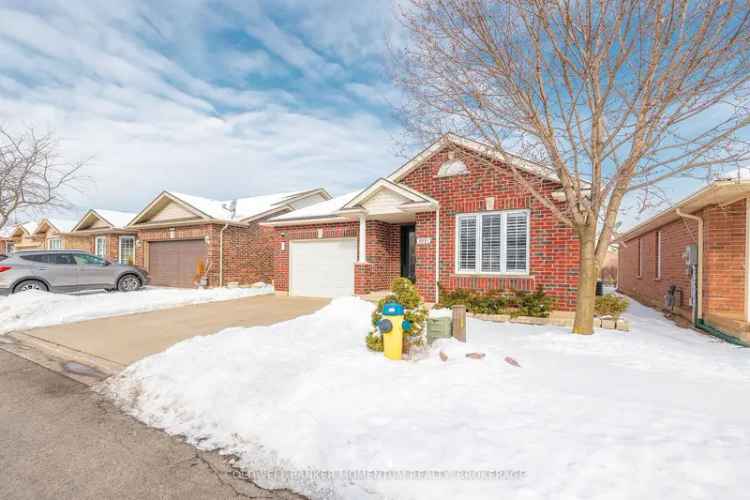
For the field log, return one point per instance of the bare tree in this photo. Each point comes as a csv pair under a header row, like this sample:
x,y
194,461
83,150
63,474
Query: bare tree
x,y
32,175
608,96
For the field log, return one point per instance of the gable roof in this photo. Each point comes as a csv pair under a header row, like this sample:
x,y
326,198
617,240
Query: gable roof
x,y
722,192
477,147
414,197
6,232
114,219
246,209
60,225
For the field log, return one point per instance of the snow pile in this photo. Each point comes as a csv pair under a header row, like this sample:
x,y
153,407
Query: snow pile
x,y
32,309
660,412
441,313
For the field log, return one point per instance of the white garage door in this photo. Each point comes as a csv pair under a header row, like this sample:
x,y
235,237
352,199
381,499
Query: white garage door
x,y
322,268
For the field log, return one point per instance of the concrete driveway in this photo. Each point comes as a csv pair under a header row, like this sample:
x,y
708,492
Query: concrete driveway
x,y
121,340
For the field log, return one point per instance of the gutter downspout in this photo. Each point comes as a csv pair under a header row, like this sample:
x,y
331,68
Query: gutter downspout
x,y
221,254
698,312
437,254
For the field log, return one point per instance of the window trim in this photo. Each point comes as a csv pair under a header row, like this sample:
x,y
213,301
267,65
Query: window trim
x,y
119,249
49,244
640,258
477,271
658,255
96,246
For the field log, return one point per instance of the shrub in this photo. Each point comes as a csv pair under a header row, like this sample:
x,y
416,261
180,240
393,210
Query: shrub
x,y
515,303
406,294
535,304
610,305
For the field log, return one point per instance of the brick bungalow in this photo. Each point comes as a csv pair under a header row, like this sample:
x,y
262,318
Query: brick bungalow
x,y
176,232
103,233
23,237
453,215
698,251
52,233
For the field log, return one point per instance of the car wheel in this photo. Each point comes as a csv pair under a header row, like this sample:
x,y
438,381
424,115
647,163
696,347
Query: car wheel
x,y
129,283
30,285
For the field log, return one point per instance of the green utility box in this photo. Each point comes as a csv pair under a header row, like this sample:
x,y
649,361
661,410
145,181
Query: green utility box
x,y
438,328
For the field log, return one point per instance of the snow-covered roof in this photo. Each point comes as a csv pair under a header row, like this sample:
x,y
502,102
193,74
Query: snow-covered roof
x,y
6,232
62,225
30,227
117,219
246,207
319,210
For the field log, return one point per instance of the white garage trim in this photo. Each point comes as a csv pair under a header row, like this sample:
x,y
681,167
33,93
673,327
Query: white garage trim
x,y
339,259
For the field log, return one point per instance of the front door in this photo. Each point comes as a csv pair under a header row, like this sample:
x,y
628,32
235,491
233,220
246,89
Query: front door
x,y
409,253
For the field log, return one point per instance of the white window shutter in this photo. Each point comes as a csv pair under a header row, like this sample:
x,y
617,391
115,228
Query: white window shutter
x,y
467,244
491,243
516,251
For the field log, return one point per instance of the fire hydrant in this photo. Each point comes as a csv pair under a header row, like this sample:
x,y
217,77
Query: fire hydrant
x,y
392,328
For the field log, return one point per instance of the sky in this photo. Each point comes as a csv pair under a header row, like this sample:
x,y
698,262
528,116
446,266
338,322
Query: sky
x,y
219,99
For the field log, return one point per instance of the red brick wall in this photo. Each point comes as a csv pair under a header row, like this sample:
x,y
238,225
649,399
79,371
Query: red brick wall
x,y
248,251
723,262
2,247
724,259
554,248
647,288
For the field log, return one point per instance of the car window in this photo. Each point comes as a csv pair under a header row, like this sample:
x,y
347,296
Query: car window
x,y
88,260
62,258
44,258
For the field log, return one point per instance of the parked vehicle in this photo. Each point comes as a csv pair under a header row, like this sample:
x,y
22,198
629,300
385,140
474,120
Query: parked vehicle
x,y
66,271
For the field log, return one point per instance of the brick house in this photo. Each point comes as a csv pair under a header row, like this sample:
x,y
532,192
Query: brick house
x,y
698,251
23,237
103,233
177,233
52,233
5,238
453,215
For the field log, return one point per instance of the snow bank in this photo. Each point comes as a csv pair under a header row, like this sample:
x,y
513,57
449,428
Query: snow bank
x,y
660,412
32,309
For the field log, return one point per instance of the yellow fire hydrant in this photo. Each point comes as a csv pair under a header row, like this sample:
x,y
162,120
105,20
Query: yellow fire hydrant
x,y
392,328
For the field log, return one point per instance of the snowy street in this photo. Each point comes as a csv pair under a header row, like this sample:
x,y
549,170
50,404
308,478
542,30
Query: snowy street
x,y
660,412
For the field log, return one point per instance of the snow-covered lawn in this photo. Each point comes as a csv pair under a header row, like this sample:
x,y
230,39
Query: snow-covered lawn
x,y
33,309
660,412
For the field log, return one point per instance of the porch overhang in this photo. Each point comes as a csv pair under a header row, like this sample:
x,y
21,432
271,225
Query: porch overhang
x,y
387,201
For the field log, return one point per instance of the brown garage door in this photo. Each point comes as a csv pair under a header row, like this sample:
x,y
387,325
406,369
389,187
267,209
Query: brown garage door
x,y
173,263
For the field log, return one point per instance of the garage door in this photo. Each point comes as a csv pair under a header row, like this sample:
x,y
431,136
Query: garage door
x,y
322,268
173,263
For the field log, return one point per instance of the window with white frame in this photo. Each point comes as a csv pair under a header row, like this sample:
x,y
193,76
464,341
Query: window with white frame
x,y
493,242
127,250
640,257
54,244
100,247
658,254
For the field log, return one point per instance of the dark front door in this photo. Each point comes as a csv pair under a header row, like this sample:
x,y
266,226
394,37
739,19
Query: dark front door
x,y
409,253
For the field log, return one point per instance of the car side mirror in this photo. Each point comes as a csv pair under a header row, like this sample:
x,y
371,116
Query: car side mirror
x,y
107,263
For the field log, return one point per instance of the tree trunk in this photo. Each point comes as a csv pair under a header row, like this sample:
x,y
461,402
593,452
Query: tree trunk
x,y
586,293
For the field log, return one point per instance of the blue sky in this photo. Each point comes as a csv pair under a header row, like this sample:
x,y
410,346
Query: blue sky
x,y
220,99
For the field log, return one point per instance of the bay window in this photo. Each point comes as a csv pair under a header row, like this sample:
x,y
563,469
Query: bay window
x,y
493,242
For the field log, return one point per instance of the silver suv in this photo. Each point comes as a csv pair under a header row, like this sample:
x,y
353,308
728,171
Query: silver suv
x,y
66,271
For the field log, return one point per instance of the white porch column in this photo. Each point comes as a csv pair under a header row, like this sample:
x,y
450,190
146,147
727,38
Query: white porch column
x,y
362,239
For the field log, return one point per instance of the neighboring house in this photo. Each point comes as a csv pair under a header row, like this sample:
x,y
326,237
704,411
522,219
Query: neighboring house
x,y
5,239
608,272
446,217
698,250
23,237
102,232
51,233
177,233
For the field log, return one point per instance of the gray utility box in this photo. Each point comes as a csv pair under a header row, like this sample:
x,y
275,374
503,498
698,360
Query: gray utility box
x,y
438,328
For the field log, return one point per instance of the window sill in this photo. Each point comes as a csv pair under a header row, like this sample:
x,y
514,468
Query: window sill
x,y
493,275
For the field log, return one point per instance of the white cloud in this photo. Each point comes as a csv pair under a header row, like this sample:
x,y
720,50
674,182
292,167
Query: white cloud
x,y
152,123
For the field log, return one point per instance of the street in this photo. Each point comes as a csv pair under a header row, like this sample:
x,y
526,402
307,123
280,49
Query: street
x,y
58,439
